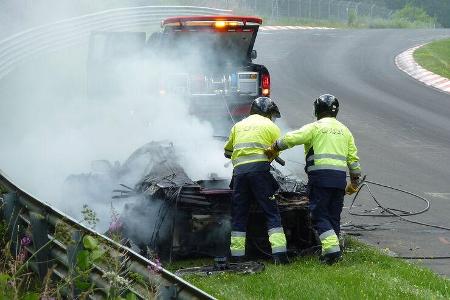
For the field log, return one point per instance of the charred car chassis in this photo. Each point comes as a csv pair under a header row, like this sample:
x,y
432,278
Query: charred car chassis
x,y
173,217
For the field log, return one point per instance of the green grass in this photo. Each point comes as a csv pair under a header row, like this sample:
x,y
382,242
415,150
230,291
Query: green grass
x,y
364,273
435,57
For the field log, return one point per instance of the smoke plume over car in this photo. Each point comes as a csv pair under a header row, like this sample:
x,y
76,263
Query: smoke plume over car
x,y
50,129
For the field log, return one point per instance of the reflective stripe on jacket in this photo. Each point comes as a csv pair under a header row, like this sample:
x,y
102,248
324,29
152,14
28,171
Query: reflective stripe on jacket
x,y
329,145
249,138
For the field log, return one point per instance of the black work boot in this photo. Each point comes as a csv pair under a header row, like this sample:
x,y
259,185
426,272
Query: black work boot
x,y
331,258
237,259
221,263
280,258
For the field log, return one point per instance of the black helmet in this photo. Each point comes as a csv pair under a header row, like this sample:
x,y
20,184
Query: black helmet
x,y
264,106
326,106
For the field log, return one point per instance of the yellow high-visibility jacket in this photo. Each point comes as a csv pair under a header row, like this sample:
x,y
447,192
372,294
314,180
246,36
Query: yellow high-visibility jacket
x,y
329,146
249,138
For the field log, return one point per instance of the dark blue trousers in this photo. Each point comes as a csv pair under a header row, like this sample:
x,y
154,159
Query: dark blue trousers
x,y
325,206
260,186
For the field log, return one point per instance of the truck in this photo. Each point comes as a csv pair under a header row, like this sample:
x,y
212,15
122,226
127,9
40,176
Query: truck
x,y
205,60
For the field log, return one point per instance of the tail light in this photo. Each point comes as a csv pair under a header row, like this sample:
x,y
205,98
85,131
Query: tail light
x,y
240,110
265,84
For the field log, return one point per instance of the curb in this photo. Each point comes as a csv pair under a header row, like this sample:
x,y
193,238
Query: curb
x,y
405,62
267,28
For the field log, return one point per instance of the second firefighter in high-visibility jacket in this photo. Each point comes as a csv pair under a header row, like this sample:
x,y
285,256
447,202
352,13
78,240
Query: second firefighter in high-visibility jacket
x,y
252,178
329,151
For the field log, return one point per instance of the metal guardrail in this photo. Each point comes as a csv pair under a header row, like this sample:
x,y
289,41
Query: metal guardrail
x,y
21,46
23,212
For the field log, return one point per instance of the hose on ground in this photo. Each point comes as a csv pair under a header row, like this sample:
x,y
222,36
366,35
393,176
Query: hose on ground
x,y
393,212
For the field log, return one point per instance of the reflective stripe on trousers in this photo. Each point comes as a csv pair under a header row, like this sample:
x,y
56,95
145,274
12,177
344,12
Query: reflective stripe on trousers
x,y
237,243
277,240
330,242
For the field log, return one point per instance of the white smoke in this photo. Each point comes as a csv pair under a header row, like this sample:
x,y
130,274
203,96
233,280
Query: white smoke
x,y
52,130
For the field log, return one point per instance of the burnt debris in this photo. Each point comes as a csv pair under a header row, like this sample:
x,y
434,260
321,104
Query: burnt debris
x,y
173,217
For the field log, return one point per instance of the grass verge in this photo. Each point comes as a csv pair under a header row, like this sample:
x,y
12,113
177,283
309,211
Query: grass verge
x,y
435,57
364,273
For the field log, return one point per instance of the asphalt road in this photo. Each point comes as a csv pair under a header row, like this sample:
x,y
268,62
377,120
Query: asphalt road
x,y
402,128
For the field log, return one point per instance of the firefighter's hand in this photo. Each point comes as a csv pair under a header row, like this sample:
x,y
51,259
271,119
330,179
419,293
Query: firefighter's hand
x,y
272,152
351,188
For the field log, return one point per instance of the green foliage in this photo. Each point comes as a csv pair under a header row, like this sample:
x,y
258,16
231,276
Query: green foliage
x,y
4,278
83,260
413,14
63,233
3,190
136,277
92,253
31,296
89,216
89,242
82,282
435,57
3,230
352,16
131,296
439,9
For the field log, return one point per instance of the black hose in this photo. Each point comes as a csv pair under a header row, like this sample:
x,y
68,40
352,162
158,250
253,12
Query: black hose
x,y
392,211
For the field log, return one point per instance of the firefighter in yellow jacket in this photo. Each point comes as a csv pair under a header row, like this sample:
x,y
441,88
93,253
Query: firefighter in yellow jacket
x,y
252,178
330,150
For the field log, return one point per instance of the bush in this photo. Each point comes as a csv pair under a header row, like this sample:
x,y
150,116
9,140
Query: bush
x,y
413,14
352,18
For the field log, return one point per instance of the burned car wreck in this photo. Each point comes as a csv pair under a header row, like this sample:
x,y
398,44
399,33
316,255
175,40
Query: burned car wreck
x,y
169,216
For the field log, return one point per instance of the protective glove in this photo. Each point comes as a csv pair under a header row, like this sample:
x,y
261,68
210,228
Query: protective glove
x,y
351,188
272,152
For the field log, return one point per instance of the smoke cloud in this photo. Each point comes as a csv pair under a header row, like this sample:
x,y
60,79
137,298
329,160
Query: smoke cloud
x,y
50,129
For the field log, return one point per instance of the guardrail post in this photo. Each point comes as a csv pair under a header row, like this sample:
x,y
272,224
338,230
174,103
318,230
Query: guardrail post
x,y
39,233
168,292
2,203
72,252
11,215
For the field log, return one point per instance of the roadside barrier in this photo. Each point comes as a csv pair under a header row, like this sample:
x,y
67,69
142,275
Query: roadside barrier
x,y
66,33
57,243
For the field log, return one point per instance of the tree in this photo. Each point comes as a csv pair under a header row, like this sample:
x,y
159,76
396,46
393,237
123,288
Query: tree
x,y
439,9
413,14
